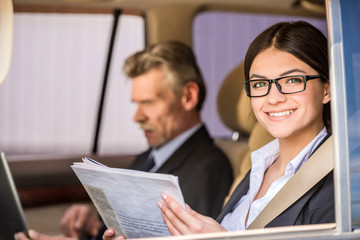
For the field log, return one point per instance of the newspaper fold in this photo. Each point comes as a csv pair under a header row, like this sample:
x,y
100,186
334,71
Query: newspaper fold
x,y
127,199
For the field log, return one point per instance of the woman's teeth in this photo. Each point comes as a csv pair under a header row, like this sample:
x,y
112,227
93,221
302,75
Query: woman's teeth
x,y
281,114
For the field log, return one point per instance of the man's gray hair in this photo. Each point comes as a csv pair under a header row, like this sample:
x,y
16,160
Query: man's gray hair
x,y
175,59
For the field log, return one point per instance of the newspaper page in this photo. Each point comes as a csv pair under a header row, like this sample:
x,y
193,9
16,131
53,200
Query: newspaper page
x,y
127,199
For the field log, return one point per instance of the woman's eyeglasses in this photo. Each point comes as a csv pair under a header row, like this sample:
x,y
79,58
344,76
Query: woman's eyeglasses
x,y
285,85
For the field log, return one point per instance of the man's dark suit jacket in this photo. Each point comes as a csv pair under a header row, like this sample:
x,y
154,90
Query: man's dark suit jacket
x,y
205,174
315,207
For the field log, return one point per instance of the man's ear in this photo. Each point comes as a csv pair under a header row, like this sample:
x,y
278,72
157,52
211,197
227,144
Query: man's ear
x,y
190,95
327,94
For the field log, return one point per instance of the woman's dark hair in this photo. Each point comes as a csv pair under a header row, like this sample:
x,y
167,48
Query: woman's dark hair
x,y
303,41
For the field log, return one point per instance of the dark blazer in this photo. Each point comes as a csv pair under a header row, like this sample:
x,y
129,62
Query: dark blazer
x,y
316,206
205,174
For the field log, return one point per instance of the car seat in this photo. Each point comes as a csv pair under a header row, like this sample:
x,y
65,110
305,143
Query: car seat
x,y
234,109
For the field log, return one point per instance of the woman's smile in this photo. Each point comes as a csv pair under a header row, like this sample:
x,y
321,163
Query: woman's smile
x,y
281,114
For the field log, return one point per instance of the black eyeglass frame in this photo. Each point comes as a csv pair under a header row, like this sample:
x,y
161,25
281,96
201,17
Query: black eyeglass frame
x,y
278,86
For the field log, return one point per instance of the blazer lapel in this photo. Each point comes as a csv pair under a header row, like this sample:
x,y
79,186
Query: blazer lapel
x,y
181,155
289,215
235,197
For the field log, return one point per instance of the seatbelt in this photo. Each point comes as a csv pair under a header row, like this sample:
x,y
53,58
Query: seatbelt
x,y
313,170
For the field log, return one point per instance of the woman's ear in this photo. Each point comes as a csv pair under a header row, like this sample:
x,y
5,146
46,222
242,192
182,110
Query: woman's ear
x,y
190,95
327,93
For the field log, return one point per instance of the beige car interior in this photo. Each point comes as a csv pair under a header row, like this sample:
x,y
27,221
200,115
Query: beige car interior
x,y
235,111
171,21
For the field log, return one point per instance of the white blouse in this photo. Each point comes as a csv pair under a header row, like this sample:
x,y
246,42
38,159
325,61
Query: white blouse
x,y
261,160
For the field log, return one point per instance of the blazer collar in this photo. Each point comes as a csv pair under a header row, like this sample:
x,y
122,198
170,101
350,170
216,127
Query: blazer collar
x,y
239,191
181,154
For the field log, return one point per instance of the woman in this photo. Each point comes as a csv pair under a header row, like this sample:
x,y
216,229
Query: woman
x,y
286,72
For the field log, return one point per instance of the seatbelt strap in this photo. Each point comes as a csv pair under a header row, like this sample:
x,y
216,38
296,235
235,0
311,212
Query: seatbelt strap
x,y
314,169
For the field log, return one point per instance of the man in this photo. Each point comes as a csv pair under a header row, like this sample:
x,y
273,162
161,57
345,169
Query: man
x,y
169,91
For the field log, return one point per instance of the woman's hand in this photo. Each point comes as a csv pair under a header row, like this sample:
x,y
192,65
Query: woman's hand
x,y
182,221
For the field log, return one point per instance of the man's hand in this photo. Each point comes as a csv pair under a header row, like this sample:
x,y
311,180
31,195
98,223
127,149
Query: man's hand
x,y
38,236
109,235
182,221
80,220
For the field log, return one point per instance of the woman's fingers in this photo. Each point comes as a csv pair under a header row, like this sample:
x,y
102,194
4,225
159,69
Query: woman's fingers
x,y
198,215
182,220
174,222
185,221
171,227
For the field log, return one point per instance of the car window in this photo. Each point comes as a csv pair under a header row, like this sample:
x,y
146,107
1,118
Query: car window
x,y
49,100
351,39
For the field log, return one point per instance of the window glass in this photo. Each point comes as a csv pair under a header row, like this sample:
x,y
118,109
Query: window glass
x,y
49,101
220,43
119,133
351,39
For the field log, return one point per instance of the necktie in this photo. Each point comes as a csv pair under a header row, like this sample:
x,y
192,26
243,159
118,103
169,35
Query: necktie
x,y
149,164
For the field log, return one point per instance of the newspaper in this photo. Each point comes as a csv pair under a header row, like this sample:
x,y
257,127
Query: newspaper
x,y
127,199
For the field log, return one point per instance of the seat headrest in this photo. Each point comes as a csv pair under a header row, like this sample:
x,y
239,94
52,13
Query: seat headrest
x,y
233,104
